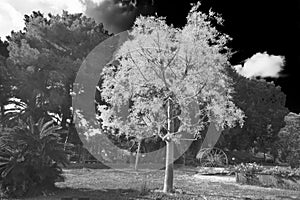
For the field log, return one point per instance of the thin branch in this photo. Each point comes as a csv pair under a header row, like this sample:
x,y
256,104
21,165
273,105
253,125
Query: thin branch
x,y
199,91
165,137
170,61
187,66
157,43
150,60
187,139
174,117
160,51
164,79
138,68
190,125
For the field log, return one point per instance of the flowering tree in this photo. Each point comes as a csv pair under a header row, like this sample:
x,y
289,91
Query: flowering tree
x,y
167,74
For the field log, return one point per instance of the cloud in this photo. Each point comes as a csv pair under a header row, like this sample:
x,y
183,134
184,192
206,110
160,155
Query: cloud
x,y
48,6
10,19
116,15
261,65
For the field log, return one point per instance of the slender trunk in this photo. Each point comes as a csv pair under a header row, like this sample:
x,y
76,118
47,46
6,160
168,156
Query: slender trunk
x,y
66,141
169,170
137,155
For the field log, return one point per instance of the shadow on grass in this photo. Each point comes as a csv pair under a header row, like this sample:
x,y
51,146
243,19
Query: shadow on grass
x,y
99,194
116,194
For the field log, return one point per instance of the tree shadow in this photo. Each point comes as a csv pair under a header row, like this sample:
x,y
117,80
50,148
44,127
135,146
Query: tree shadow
x,y
97,194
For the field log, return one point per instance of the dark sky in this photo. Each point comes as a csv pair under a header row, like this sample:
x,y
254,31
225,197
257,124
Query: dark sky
x,y
255,26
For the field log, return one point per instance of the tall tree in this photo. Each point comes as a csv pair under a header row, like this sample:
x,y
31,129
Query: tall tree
x,y
289,143
167,74
5,79
264,105
45,58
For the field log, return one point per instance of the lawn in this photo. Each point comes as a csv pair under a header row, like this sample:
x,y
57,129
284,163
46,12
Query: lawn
x,y
109,184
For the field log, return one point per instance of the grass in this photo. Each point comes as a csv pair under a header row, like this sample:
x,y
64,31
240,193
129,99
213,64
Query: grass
x,y
109,184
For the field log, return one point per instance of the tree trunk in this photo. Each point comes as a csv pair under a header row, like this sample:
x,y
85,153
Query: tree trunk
x,y
169,170
137,156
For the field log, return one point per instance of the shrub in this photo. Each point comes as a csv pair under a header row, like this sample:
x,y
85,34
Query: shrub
x,y
279,177
29,158
249,168
253,168
283,172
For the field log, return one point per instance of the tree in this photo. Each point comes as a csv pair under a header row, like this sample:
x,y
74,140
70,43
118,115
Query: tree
x,y
45,58
3,48
289,143
264,106
166,74
5,80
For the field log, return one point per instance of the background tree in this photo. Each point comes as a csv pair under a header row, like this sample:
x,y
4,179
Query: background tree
x,y
45,58
289,143
5,81
264,106
167,74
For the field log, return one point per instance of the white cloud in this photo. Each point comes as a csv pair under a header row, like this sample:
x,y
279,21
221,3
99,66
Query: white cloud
x,y
261,65
56,6
10,19
12,11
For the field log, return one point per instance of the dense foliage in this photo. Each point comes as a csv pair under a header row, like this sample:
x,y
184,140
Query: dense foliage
x,y
250,169
264,106
43,61
5,78
31,158
161,62
289,143
167,74
38,66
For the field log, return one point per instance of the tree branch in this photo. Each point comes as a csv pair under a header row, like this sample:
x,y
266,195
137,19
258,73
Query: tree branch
x,y
191,125
139,69
170,61
187,66
199,91
151,61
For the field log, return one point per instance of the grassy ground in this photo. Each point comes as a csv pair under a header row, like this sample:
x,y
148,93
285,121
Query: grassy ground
x,y
109,184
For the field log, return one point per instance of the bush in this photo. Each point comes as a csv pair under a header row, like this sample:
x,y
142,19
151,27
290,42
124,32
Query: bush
x,y
279,177
248,168
252,168
29,158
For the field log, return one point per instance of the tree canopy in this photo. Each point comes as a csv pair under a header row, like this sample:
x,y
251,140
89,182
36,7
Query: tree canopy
x,y
44,59
166,74
5,77
264,105
289,142
161,61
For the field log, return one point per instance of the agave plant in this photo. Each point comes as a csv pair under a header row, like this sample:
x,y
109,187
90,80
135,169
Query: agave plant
x,y
30,157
